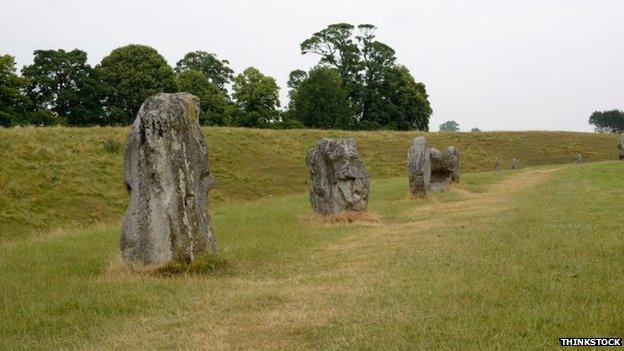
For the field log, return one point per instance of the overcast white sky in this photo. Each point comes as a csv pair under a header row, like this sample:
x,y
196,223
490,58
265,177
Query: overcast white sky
x,y
492,64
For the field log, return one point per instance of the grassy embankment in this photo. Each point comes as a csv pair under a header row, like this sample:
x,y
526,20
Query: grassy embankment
x,y
511,261
59,177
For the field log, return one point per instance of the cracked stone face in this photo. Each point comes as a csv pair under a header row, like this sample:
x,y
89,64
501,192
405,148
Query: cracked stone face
x,y
419,168
339,179
167,176
444,168
621,147
429,169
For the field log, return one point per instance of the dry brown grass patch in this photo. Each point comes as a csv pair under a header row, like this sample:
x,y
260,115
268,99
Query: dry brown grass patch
x,y
345,217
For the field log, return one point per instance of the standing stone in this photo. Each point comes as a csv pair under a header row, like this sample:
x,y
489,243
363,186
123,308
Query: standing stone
x,y
453,154
621,147
167,176
444,168
514,164
339,179
579,159
497,165
419,168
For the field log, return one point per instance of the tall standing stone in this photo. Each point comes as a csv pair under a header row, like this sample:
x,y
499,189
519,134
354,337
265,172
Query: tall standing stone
x,y
167,176
621,147
339,179
419,168
453,155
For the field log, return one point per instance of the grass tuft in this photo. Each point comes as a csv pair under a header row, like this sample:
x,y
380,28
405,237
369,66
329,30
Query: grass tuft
x,y
206,264
112,146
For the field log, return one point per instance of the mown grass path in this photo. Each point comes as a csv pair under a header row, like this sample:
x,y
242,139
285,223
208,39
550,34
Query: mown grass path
x,y
504,261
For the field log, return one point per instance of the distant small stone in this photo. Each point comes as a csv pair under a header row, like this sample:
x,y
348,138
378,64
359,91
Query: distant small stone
x,y
167,176
497,165
579,159
419,168
514,164
621,147
340,181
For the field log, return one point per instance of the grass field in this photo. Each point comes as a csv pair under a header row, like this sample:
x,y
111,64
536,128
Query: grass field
x,y
66,177
508,261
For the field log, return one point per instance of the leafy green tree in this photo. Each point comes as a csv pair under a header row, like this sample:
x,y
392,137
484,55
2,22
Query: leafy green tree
x,y
475,130
321,101
608,121
217,71
364,65
214,102
133,73
257,97
13,102
397,102
449,126
62,82
337,47
295,78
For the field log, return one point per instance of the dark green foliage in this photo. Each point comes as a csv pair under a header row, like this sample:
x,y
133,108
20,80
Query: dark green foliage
x,y
381,94
295,78
449,126
214,102
608,121
217,71
62,82
321,101
13,103
475,130
257,97
133,73
398,102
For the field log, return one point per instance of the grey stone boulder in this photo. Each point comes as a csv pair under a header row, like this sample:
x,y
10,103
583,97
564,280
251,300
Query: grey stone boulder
x,y
453,155
419,168
339,179
167,176
444,168
621,147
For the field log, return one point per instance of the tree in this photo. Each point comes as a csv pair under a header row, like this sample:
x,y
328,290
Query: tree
x,y
257,97
133,73
474,130
62,82
397,102
217,71
608,121
214,102
321,100
13,102
295,78
364,65
449,126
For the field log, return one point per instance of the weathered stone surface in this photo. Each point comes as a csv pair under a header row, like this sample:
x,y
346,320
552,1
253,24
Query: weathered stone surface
x,y
621,147
444,168
339,179
419,168
167,175
453,154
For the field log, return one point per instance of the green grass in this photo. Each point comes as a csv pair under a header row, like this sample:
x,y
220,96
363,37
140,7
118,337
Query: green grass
x,y
68,177
508,261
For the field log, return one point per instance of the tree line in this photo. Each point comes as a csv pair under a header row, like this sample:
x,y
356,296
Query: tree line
x,y
356,84
611,121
